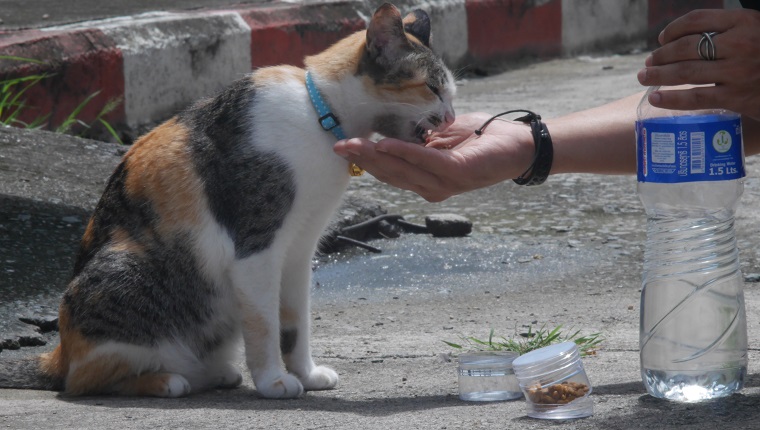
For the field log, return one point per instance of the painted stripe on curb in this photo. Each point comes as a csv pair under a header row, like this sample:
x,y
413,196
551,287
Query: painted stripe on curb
x,y
286,34
80,63
500,30
172,60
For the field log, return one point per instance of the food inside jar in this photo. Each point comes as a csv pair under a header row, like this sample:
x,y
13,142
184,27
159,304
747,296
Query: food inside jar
x,y
561,393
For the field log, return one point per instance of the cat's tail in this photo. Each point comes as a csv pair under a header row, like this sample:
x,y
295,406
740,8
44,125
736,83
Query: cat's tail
x,y
32,373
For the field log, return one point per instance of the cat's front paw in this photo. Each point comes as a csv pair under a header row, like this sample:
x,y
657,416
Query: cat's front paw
x,y
283,386
320,378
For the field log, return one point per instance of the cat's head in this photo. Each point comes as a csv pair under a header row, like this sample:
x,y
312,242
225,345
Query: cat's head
x,y
387,79
411,83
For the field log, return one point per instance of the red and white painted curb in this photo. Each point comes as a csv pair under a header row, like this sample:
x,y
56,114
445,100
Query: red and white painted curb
x,y
158,63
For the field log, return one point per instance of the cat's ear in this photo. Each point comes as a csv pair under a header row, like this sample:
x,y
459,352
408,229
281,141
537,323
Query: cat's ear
x,y
385,34
417,23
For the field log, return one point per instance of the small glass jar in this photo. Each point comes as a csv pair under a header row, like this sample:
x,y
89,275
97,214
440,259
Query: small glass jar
x,y
488,376
554,382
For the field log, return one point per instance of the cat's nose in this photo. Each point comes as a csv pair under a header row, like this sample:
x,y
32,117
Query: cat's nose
x,y
448,117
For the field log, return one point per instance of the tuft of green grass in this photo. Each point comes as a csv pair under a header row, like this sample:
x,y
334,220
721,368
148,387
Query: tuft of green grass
x,y
526,342
12,104
72,118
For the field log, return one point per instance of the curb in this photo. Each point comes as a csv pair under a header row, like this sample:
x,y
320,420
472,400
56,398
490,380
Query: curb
x,y
158,63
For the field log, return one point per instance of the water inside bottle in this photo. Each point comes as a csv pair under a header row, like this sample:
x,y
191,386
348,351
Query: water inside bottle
x,y
693,333
694,386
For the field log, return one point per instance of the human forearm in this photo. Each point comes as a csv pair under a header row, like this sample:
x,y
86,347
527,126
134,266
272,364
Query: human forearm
x,y
597,140
603,139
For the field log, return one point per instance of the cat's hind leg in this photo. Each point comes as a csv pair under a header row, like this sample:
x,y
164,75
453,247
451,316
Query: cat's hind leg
x,y
115,374
110,367
155,385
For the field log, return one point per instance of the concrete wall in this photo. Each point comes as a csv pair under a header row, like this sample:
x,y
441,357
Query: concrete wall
x,y
598,24
170,61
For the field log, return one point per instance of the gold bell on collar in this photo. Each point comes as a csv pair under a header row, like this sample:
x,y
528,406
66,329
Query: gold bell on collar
x,y
355,170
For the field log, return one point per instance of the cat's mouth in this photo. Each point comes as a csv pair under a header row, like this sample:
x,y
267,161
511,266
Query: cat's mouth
x,y
394,126
421,134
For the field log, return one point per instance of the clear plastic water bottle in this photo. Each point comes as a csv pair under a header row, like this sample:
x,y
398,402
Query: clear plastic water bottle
x,y
693,329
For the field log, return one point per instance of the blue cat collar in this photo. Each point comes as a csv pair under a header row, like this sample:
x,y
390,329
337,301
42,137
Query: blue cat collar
x,y
327,120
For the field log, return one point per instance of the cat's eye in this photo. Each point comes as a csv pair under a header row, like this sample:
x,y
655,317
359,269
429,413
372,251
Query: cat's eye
x,y
435,91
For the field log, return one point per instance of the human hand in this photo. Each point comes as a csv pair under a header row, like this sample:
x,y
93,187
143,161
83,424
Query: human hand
x,y
734,71
454,161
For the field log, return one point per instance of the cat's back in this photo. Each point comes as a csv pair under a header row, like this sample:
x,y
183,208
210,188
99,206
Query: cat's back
x,y
187,199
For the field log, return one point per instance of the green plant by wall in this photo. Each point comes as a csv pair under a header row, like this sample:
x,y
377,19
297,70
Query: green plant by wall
x,y
532,340
13,104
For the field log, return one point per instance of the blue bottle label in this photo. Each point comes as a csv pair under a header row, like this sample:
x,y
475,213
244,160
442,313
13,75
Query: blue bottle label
x,y
689,149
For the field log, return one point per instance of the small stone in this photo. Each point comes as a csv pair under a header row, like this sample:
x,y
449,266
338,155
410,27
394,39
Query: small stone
x,y
16,334
46,323
752,277
448,225
10,344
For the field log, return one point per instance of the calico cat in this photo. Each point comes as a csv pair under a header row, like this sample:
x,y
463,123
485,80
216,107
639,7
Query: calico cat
x,y
206,230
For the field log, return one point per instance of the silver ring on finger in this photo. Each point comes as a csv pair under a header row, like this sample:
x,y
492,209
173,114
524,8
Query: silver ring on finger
x,y
706,46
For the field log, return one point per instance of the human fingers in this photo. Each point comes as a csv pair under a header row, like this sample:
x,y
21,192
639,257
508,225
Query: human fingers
x,y
686,48
689,99
692,73
448,140
425,158
695,36
459,132
738,99
396,163
698,22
